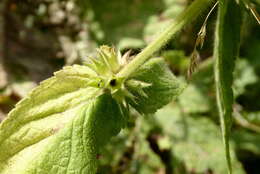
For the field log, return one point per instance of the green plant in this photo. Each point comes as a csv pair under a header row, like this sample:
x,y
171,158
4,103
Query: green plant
x,y
62,124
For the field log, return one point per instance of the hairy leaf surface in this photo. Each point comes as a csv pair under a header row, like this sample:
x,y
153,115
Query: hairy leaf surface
x,y
46,109
73,149
164,86
61,125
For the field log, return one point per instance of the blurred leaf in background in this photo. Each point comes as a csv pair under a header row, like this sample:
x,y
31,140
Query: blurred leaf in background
x,y
40,37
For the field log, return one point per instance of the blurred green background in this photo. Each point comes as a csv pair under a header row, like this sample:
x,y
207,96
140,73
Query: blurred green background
x,y
39,37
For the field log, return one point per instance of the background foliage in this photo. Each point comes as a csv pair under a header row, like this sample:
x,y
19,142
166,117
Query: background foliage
x,y
39,37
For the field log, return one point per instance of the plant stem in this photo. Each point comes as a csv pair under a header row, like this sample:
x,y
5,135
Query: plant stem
x,y
188,15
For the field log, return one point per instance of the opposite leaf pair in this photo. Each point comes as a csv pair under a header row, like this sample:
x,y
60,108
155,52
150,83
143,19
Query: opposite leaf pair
x,y
62,124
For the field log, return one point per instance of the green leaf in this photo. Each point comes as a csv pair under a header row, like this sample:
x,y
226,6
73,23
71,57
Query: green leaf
x,y
247,141
194,100
62,124
110,27
40,132
164,86
225,52
195,141
73,149
244,76
253,117
177,60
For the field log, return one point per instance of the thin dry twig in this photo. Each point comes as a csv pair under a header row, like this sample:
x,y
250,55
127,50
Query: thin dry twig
x,y
195,56
251,7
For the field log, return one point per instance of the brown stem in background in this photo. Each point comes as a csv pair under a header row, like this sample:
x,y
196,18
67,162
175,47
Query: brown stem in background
x,y
3,43
165,154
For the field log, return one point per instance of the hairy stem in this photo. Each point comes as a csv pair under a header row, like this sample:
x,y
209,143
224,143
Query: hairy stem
x,y
185,17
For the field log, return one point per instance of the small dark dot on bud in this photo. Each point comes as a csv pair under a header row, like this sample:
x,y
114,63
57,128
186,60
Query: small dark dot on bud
x,y
99,83
112,82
